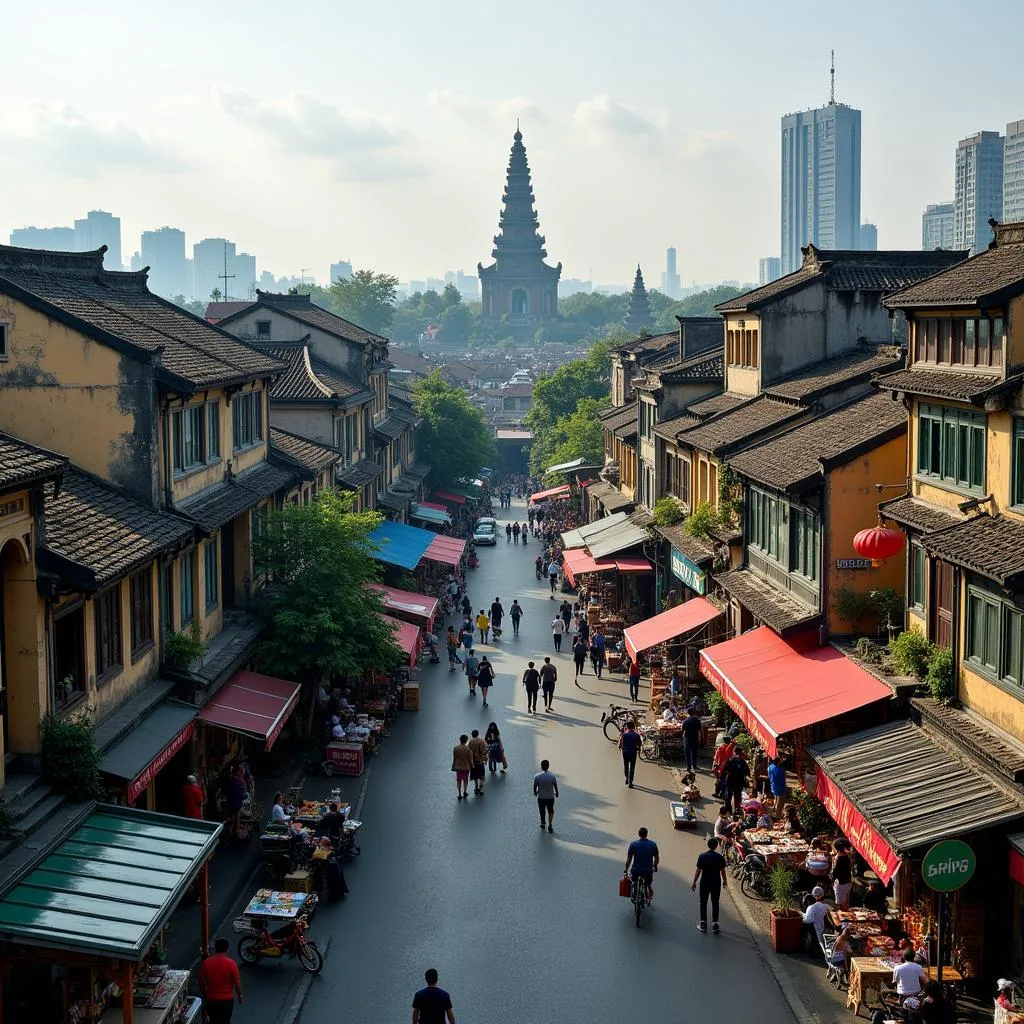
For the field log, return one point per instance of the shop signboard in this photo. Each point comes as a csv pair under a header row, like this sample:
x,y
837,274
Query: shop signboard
x,y
948,865
153,769
347,758
683,569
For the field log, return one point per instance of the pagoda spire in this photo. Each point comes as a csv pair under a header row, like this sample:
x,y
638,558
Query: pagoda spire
x,y
638,316
518,225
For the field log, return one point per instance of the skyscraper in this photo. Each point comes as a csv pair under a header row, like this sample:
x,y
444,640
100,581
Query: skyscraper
x,y
100,228
59,239
937,226
979,190
769,268
820,180
163,251
1013,172
342,269
868,238
671,285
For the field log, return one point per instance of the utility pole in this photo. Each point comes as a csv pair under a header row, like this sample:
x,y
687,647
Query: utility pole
x,y
302,275
225,277
832,92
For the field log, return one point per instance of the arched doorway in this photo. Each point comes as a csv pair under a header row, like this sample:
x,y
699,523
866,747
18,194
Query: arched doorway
x,y
20,702
520,303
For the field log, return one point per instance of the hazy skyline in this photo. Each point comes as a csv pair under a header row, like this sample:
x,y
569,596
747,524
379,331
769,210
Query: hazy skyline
x,y
380,133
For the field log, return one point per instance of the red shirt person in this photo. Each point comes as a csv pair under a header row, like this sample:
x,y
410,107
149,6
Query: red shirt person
x,y
219,982
192,798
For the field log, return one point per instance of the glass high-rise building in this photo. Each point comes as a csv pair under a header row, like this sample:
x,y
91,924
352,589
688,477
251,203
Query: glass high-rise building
x,y
937,226
979,190
820,181
163,251
1013,172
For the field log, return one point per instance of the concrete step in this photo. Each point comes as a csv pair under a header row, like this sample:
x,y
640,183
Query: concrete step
x,y
16,786
40,811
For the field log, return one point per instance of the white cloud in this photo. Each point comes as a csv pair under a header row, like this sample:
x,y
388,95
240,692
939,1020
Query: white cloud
x,y
356,147
601,115
703,142
455,104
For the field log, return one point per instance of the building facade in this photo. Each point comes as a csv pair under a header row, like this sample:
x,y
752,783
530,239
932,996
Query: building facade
x,y
868,237
163,251
978,188
671,285
98,228
769,268
937,226
820,181
44,238
1013,172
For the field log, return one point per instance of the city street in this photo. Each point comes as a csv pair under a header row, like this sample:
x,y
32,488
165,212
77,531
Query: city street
x,y
521,925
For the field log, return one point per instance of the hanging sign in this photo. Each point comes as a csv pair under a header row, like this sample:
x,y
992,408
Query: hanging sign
x,y
948,866
683,569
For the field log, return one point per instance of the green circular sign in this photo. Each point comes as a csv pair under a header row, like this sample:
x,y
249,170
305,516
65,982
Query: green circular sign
x,y
948,865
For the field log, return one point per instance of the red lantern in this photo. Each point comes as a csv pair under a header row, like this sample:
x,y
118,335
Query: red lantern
x,y
877,543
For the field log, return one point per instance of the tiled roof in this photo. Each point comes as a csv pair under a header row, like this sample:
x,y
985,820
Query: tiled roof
x,y
991,546
610,497
403,359
22,464
714,404
121,305
989,278
917,514
419,469
772,606
360,473
957,387
743,423
672,427
389,429
110,534
308,379
651,344
218,310
834,373
849,270
217,505
695,549
350,392
305,311
621,422
394,502
310,454
800,455
459,370
517,391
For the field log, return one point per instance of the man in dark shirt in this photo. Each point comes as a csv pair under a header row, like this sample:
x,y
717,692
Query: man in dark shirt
x,y
531,680
332,824
710,874
692,728
548,676
629,743
736,771
432,1005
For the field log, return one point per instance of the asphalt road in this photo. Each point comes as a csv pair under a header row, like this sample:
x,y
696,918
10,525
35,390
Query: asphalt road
x,y
522,925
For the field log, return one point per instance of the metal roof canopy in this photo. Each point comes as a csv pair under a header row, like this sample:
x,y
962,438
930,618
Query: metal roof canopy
x,y
669,624
563,466
913,788
107,887
400,545
429,515
578,538
625,535
128,758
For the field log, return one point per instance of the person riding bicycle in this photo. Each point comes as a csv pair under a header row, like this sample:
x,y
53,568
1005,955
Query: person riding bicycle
x,y
643,854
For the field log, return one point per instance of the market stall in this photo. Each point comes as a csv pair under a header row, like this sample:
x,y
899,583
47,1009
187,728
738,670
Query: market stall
x,y
80,926
419,609
408,637
562,491
400,545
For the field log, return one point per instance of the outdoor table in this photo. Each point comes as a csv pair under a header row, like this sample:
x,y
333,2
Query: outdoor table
x,y
312,811
774,846
867,976
855,915
271,904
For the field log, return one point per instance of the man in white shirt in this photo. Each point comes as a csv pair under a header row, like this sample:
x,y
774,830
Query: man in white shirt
x,y
815,914
910,976
337,729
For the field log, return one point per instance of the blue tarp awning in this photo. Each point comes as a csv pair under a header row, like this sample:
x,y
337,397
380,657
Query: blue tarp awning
x,y
401,545
429,515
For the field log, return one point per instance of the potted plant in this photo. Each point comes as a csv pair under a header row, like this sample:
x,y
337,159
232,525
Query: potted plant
x,y
786,920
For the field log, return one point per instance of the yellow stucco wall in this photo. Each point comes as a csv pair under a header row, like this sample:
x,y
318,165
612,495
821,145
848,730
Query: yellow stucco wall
x,y
993,703
853,506
1015,332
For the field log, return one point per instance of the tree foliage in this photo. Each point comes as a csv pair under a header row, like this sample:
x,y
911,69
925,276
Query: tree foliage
x,y
454,440
321,611
699,304
579,435
367,299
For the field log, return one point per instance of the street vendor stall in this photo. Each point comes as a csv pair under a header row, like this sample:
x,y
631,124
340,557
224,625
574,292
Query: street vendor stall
x,y
79,925
419,609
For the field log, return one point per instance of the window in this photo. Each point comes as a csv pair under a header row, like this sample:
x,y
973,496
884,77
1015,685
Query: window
x,y
210,570
189,447
259,531
959,341
951,446
916,579
108,631
69,655
983,613
4,350
212,430
262,329
141,587
741,348
1017,470
805,543
247,419
186,585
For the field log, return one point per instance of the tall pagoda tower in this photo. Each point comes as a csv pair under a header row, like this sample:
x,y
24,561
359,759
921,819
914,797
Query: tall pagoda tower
x,y
519,285
638,316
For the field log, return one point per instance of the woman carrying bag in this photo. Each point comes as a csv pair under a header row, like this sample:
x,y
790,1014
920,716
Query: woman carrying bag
x,y
495,749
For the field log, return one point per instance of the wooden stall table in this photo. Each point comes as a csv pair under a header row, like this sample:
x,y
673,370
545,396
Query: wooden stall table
x,y
777,846
950,974
855,915
867,976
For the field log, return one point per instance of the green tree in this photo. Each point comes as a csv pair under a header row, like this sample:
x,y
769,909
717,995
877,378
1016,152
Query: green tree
x,y
579,435
318,295
322,613
454,440
196,306
215,295
698,304
450,296
455,325
366,299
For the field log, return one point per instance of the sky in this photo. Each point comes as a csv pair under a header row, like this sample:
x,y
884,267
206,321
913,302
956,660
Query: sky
x,y
380,131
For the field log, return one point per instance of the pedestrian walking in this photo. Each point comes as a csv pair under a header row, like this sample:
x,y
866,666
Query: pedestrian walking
x,y
692,729
466,633
515,532
553,576
545,789
710,875
557,631
630,742
529,516
462,765
508,533
451,643
565,610
583,627
497,614
495,749
634,680
597,652
472,669
192,798
219,983
432,1005
485,677
548,677
531,680
579,656
515,613
467,606
736,771
483,623
478,773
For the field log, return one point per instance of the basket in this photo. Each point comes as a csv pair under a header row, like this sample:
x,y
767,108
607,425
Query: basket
x,y
243,926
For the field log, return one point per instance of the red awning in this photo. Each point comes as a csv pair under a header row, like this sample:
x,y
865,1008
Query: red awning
x,y
254,705
417,608
776,687
407,636
578,560
452,499
434,505
445,549
676,621
633,563
554,492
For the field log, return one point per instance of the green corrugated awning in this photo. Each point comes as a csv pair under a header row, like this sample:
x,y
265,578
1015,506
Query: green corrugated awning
x,y
109,886
468,490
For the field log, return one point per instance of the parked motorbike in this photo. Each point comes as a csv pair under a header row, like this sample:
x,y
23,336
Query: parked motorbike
x,y
258,942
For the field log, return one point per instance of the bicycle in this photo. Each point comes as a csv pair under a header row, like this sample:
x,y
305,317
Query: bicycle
x,y
260,943
639,896
614,719
754,882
